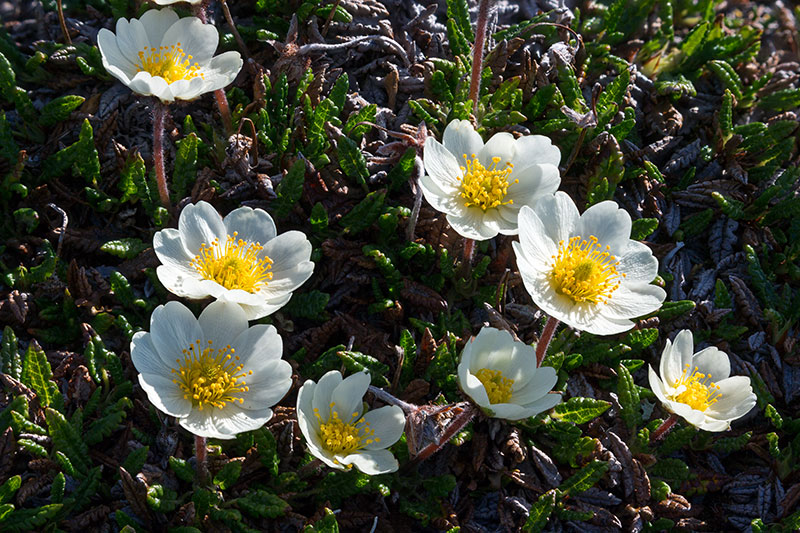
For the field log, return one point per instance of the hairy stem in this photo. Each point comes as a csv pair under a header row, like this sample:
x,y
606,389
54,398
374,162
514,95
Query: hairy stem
x,y
665,427
160,113
545,338
201,456
63,22
477,53
224,111
227,12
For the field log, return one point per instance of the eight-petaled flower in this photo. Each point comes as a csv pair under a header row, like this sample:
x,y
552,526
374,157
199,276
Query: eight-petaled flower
x,y
338,431
584,269
500,375
167,57
698,386
238,258
481,187
215,374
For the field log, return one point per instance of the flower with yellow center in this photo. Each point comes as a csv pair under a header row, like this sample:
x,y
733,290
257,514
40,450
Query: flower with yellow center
x,y
238,258
481,187
501,376
584,270
699,387
215,374
338,431
167,57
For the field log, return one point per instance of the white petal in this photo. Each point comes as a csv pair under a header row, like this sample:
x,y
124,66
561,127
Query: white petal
x,y
485,343
500,145
372,462
656,385
470,225
509,411
534,242
735,400
440,164
632,300
271,388
711,424
173,329
165,395
287,251
543,381
113,57
693,416
522,366
222,322
323,391
441,200
473,387
610,224
387,423
193,37
145,357
535,182
461,139
546,402
559,216
252,225
170,250
683,350
348,396
712,362
180,283
222,70
157,22
305,411
638,263
132,38
141,84
265,308
535,149
257,346
200,224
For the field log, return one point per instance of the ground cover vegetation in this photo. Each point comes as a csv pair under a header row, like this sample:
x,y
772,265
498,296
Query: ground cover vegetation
x,y
196,272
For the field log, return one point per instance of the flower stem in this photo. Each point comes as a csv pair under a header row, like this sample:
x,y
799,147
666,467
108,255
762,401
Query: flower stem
x,y
63,22
545,338
227,12
160,113
201,457
477,53
224,111
466,258
665,427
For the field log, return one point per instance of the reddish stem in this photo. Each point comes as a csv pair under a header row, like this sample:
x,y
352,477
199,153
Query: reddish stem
x,y
545,338
477,53
201,457
665,427
160,113
224,111
227,12
62,21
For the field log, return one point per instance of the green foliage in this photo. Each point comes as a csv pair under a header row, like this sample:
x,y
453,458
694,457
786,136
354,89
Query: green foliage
x,y
9,351
360,362
81,157
585,478
580,410
185,170
262,504
308,305
36,374
69,441
364,213
290,189
352,160
628,398
540,512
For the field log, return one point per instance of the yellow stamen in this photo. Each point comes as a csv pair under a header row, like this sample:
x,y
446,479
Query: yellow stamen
x,y
695,390
235,264
210,376
340,437
168,62
585,272
485,187
498,388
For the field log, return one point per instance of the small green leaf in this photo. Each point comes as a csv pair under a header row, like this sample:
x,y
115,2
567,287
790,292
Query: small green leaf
x,y
352,160
59,109
540,512
9,488
628,398
579,410
126,248
585,478
290,189
364,213
68,440
262,504
228,474
36,374
358,362
185,172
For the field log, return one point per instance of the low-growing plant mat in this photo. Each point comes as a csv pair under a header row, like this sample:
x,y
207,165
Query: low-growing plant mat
x,y
684,112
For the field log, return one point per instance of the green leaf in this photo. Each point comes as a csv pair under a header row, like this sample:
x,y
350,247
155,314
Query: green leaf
x,y
614,92
68,440
783,100
641,338
135,460
352,160
319,217
585,478
728,76
182,469
673,310
290,189
580,410
57,488
628,398
36,374
677,440
81,156
11,359
262,504
185,172
59,109
731,444
774,416
361,362
354,126
670,469
326,524
364,213
692,42
310,305
22,520
540,512
126,248
458,11
726,115
228,475
106,425
409,356
267,449
402,170
9,488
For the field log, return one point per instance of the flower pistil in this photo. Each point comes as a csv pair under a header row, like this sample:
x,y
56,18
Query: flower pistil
x,y
485,187
210,376
584,271
498,388
696,389
235,264
168,62
340,437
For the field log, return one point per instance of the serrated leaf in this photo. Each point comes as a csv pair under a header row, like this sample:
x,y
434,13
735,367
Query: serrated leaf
x,y
361,362
262,504
585,478
402,170
36,374
352,160
181,468
309,305
364,213
68,440
267,449
628,398
11,358
673,310
228,475
135,460
319,217
126,248
34,519
185,171
9,488
579,410
59,109
614,92
290,189
641,338
540,512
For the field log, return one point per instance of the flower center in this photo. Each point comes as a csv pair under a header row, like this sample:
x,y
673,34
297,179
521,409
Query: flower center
x,y
497,387
485,187
340,437
584,271
168,62
210,376
234,264
696,390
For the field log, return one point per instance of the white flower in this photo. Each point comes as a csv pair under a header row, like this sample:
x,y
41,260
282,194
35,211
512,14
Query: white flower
x,y
338,431
238,258
696,386
585,270
500,375
167,57
481,187
214,374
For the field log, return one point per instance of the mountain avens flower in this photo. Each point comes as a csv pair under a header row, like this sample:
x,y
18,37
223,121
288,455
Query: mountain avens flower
x,y
481,187
337,429
167,57
238,259
584,270
217,376
501,376
698,386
